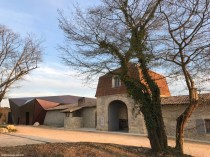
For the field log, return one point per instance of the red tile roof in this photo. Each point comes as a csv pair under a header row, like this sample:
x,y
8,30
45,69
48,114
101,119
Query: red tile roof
x,y
183,99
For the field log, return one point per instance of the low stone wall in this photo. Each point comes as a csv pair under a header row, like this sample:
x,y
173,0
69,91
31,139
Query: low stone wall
x,y
54,118
73,122
89,117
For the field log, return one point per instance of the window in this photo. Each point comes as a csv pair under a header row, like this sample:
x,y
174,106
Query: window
x,y
203,126
207,124
116,82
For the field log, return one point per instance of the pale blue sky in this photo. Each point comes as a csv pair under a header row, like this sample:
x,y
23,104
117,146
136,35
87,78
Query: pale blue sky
x,y
39,17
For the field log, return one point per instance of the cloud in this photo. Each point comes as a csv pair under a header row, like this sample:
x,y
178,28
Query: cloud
x,y
50,81
54,80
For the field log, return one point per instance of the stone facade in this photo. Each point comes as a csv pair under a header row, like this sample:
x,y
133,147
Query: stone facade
x,y
89,117
73,122
114,106
83,118
135,123
54,118
112,96
193,129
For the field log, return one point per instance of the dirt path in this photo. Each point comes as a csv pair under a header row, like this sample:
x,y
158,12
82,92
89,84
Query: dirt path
x,y
33,135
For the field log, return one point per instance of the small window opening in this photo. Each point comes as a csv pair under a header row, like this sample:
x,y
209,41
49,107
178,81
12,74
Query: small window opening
x,y
116,82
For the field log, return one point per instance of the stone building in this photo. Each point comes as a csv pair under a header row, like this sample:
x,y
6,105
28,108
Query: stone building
x,y
81,114
115,109
198,125
33,109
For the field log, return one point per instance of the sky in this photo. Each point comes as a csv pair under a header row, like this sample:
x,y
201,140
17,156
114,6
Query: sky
x,y
39,17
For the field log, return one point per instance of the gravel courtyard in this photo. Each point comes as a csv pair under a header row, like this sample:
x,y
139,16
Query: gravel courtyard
x,y
37,135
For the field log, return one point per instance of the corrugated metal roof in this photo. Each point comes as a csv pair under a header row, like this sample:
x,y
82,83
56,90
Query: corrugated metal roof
x,y
63,99
19,102
46,104
29,100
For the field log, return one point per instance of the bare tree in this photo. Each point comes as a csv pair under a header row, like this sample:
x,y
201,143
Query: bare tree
x,y
184,44
17,58
112,36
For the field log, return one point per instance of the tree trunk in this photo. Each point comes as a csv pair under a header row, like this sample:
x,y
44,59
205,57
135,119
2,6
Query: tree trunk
x,y
1,96
180,133
155,128
182,119
151,109
155,107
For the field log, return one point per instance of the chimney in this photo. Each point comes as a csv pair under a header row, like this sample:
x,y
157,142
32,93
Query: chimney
x,y
81,101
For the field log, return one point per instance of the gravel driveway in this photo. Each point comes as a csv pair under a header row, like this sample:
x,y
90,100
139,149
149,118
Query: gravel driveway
x,y
41,134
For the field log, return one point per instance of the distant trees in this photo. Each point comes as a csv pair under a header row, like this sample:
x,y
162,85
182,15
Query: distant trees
x,y
18,56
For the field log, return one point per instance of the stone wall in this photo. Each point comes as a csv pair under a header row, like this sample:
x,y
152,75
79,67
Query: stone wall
x,y
73,122
85,120
170,114
54,118
192,129
89,117
135,123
